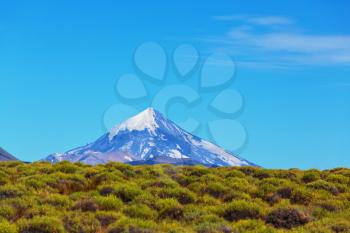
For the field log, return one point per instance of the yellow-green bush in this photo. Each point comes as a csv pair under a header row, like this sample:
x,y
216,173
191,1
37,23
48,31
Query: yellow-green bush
x,y
127,192
109,202
324,185
107,217
311,175
241,209
78,222
140,211
78,198
86,205
170,208
40,224
301,196
132,225
57,200
10,191
252,226
6,227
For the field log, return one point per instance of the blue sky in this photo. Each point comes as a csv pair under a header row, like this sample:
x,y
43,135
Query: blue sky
x,y
59,62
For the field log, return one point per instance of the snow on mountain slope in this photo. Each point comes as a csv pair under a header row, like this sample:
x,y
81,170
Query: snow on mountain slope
x,y
150,138
142,121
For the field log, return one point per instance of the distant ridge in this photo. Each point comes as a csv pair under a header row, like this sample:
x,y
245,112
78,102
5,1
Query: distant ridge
x,y
6,156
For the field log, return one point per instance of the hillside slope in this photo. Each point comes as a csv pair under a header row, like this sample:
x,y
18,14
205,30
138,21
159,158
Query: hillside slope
x,y
116,197
5,156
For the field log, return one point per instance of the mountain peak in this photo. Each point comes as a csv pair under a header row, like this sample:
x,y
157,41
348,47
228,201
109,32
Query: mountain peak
x,y
144,120
150,138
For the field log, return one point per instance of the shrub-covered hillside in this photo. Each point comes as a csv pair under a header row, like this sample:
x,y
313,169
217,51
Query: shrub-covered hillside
x,y
66,197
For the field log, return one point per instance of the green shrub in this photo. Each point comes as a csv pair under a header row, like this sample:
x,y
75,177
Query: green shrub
x,y
86,205
235,195
146,199
301,196
276,182
340,226
261,174
285,192
184,196
210,178
127,192
3,178
20,205
251,226
337,179
107,217
106,190
132,226
160,183
216,189
10,191
81,222
66,167
7,211
126,169
240,184
265,190
182,179
272,198
287,218
105,177
249,171
208,200
57,200
197,171
290,174
192,214
40,225
67,183
40,211
170,208
332,205
234,173
34,182
311,176
6,227
210,227
153,172
241,209
326,225
324,185
43,197
140,211
108,203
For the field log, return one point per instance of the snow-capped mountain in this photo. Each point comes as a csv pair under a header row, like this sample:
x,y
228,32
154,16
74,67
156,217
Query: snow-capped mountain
x,y
150,138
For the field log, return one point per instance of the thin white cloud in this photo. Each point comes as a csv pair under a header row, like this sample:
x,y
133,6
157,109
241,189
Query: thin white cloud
x,y
271,20
317,48
256,20
282,46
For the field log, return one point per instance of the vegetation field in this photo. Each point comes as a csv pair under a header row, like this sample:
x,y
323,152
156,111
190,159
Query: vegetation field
x,y
112,198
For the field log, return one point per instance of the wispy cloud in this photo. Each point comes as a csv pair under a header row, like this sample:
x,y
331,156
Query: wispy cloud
x,y
257,20
259,39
